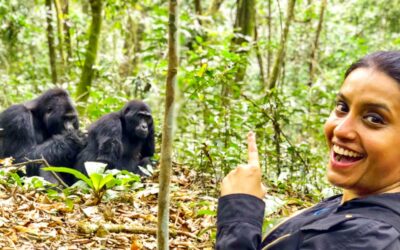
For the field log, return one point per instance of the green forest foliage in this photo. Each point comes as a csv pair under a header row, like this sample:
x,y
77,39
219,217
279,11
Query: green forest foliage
x,y
215,110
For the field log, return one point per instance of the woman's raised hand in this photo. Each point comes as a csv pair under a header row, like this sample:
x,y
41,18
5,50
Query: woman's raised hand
x,y
246,178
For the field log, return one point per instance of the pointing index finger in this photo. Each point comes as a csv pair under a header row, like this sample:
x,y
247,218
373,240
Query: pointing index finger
x,y
252,150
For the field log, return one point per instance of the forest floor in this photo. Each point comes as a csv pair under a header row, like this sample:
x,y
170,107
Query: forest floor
x,y
29,219
32,218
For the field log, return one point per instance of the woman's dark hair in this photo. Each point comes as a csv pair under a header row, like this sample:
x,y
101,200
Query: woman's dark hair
x,y
387,62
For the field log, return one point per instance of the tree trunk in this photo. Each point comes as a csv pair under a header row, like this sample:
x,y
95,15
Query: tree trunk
x,y
259,56
132,48
214,7
281,51
60,32
197,7
314,48
85,83
269,37
85,7
67,28
50,42
167,138
244,25
198,10
137,43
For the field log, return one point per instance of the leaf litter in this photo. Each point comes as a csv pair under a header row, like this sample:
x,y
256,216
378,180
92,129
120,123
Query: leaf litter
x,y
29,219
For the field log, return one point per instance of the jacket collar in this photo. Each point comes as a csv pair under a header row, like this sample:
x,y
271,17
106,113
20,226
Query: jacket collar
x,y
390,201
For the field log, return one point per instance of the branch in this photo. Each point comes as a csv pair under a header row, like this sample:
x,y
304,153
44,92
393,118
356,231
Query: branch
x,y
207,153
89,228
54,174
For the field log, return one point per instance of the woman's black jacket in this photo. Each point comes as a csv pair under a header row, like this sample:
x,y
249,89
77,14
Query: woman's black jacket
x,y
367,223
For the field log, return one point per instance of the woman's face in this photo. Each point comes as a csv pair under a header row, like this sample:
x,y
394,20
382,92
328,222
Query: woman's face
x,y
363,133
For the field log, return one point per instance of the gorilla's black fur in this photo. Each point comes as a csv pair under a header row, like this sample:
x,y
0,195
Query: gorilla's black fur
x,y
46,126
123,139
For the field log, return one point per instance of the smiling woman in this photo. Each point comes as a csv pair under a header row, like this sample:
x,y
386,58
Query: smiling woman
x,y
363,134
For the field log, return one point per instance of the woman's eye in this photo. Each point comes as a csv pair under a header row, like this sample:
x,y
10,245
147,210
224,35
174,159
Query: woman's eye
x,y
341,107
374,119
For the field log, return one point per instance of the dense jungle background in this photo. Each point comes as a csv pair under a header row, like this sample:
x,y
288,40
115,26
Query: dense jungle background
x,y
273,67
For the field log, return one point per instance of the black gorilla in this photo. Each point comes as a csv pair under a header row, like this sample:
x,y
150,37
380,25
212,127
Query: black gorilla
x,y
123,139
46,126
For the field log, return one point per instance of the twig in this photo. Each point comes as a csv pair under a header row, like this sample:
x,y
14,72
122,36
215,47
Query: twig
x,y
204,230
21,164
88,228
207,153
54,173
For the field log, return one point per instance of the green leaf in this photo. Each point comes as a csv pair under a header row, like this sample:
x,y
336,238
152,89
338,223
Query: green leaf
x,y
69,203
17,179
96,179
206,212
51,193
112,183
72,171
37,183
106,180
127,180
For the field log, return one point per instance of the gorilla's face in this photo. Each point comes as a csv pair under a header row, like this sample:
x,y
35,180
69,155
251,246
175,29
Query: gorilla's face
x,y
138,119
141,123
59,115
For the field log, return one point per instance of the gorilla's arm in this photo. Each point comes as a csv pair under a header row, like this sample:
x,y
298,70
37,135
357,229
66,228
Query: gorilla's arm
x,y
108,133
60,150
147,151
148,146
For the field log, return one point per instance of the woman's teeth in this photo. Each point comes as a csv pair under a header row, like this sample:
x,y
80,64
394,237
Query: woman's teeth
x,y
341,152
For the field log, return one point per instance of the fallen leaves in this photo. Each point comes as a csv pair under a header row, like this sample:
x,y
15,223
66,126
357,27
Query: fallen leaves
x,y
30,220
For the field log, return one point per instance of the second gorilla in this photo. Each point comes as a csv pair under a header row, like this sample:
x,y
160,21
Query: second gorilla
x,y
124,139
